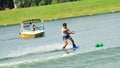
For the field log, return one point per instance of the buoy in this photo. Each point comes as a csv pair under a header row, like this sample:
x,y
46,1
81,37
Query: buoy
x,y
100,44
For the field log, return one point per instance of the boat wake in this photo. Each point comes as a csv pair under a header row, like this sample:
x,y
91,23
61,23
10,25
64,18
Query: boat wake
x,y
42,56
16,38
30,54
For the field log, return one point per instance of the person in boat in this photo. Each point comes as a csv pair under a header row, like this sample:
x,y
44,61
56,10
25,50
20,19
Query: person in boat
x,y
66,35
33,26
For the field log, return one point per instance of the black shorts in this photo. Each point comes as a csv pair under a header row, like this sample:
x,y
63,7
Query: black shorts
x,y
66,37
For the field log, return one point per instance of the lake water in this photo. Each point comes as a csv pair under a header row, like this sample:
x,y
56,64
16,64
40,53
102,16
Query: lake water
x,y
45,52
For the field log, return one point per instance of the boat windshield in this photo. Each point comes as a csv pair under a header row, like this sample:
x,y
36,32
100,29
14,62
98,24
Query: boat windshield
x,y
32,25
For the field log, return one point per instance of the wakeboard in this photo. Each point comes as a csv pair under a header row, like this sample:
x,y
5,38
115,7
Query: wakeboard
x,y
70,50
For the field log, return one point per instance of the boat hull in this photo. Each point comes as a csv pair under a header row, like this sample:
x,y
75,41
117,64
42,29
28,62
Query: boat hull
x,y
32,35
31,30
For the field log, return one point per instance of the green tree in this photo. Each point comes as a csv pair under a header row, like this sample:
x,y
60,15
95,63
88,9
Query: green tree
x,y
42,2
61,1
6,4
48,2
28,3
54,1
36,2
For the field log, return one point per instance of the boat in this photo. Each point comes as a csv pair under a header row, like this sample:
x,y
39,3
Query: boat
x,y
32,28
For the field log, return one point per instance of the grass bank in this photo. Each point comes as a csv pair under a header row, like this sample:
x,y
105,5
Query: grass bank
x,y
58,11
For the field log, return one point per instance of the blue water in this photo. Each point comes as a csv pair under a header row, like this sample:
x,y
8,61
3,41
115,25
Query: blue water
x,y
45,52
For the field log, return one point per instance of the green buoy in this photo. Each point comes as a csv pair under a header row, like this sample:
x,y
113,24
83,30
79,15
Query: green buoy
x,y
100,44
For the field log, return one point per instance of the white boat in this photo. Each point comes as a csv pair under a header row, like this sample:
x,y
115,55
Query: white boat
x,y
29,29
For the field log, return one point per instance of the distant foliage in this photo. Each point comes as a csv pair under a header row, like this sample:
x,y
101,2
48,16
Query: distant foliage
x,y
28,3
5,4
54,1
42,2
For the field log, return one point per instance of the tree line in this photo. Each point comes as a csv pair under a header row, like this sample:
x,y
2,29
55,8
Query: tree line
x,y
6,4
9,4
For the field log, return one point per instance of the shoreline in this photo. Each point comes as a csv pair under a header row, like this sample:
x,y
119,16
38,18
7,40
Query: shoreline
x,y
60,11
64,18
